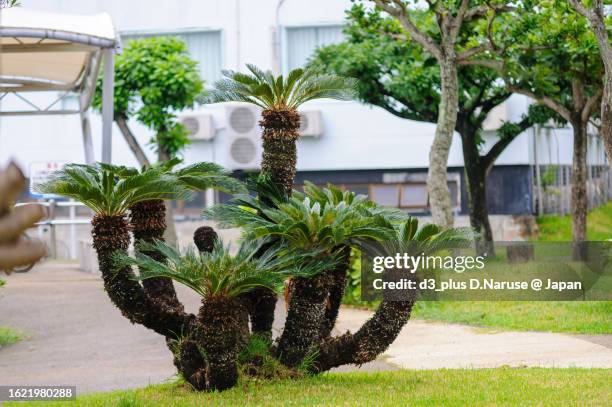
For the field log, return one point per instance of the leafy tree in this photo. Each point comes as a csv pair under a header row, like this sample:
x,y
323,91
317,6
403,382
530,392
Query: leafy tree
x,y
595,14
438,30
154,78
551,56
400,77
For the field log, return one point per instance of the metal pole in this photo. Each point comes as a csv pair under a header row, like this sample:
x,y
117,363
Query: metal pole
x,y
108,104
87,140
537,168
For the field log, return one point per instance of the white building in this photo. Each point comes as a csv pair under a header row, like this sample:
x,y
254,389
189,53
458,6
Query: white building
x,y
362,147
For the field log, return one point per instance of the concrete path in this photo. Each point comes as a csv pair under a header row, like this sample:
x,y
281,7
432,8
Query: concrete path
x,y
77,337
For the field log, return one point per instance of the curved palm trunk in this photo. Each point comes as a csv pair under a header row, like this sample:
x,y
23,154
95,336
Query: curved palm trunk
x,y
336,293
111,235
149,224
305,317
372,339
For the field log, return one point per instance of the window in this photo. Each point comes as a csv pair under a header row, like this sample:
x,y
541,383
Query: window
x,y
414,196
303,41
386,195
204,47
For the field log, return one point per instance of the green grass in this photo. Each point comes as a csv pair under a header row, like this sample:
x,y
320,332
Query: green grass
x,y
559,228
448,387
9,336
585,317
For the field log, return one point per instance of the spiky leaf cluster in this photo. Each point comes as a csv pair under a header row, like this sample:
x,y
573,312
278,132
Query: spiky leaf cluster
x,y
109,189
265,90
219,273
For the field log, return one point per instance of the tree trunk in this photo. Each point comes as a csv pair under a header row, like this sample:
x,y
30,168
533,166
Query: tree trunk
x,y
220,320
305,317
170,232
141,157
336,293
605,49
280,134
372,339
439,197
579,174
111,236
475,174
148,223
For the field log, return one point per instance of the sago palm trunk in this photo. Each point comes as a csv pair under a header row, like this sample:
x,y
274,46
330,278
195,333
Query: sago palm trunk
x,y
279,160
280,134
372,339
305,317
219,339
148,223
111,236
336,293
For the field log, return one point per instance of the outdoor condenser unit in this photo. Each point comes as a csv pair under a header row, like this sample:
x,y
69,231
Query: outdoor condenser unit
x,y
244,135
311,123
200,126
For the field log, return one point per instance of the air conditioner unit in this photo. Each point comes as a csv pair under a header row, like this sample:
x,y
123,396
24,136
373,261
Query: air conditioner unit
x,y
244,137
496,118
199,126
311,123
243,119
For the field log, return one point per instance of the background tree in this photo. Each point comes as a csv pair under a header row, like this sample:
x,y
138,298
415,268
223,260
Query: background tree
x,y
437,30
154,78
400,77
594,12
551,56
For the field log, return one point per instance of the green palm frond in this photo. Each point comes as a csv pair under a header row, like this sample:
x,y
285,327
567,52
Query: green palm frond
x,y
268,92
220,273
111,190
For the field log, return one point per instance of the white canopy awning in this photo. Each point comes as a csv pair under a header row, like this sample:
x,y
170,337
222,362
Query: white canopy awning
x,y
44,51
50,49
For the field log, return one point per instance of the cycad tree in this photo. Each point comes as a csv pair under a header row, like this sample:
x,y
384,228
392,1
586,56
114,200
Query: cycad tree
x,y
321,219
280,97
207,354
110,191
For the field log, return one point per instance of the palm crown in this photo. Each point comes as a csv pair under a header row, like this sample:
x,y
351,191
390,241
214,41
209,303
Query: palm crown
x,y
325,218
269,92
219,273
111,189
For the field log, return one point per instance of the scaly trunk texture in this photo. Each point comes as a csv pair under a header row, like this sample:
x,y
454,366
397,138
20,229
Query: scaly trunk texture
x,y
579,193
305,317
475,175
605,49
111,235
280,134
372,339
220,319
336,293
148,224
261,303
439,197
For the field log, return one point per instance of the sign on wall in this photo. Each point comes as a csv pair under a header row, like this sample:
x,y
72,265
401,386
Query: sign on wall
x,y
41,172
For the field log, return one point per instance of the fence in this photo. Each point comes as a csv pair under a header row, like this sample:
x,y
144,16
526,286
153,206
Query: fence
x,y
555,187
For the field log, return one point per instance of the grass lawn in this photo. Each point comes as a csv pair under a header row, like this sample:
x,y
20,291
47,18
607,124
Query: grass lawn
x,y
449,387
8,336
559,228
586,317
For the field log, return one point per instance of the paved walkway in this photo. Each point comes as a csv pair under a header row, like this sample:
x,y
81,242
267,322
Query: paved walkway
x,y
77,337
